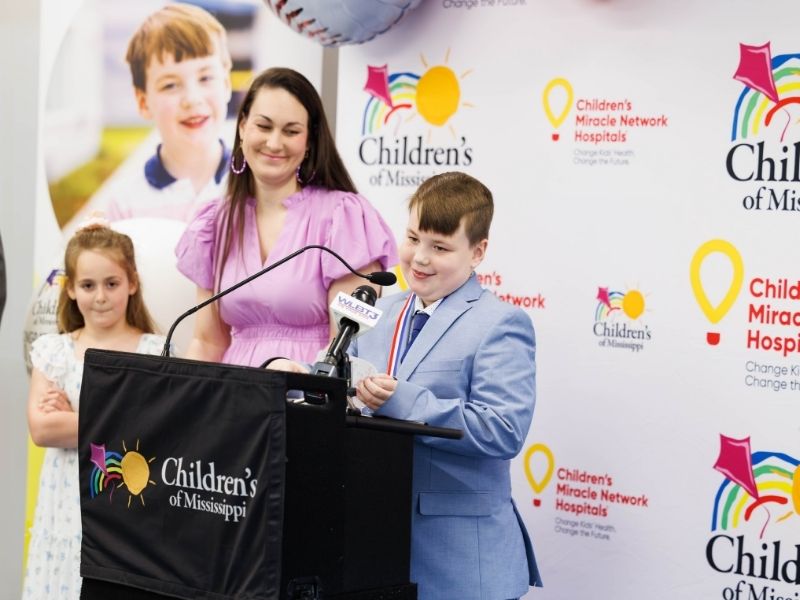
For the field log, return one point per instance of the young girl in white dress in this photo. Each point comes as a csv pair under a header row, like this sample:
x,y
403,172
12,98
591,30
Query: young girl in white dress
x,y
100,306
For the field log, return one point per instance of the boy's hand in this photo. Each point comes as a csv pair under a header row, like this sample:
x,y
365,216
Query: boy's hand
x,y
375,390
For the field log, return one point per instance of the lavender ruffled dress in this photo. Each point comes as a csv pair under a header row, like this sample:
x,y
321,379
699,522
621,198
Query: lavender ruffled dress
x,y
285,312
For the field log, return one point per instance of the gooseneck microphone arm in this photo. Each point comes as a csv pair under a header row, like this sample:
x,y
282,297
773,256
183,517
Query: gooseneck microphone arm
x,y
377,277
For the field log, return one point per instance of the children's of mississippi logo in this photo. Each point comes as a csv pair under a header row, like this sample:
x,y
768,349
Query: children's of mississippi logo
x,y
396,99
765,133
113,470
755,521
617,319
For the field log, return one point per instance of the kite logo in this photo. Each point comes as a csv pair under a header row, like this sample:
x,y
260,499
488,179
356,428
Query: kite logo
x,y
400,97
57,278
616,330
764,132
754,480
130,469
715,313
760,494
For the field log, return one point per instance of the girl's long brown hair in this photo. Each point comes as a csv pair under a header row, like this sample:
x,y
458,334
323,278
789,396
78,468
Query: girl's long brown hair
x,y
119,248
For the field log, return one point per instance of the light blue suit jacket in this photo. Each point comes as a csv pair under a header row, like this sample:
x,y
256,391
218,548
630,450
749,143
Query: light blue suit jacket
x,y
472,368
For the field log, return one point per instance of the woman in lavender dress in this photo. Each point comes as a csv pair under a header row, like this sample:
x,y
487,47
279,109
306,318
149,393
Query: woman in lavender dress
x,y
289,188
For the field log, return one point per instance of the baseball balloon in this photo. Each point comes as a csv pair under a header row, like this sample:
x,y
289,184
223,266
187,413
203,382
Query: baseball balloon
x,y
344,22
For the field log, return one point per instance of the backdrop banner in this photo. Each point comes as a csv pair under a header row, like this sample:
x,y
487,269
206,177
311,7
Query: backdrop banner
x,y
182,476
644,159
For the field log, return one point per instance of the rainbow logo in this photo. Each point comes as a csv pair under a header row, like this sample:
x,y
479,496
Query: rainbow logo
x,y
754,480
102,478
57,278
435,95
610,303
131,469
770,85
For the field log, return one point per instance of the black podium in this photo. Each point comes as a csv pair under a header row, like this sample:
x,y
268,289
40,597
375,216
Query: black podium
x,y
200,480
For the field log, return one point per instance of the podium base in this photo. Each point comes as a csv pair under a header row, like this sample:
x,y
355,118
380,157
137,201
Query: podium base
x,y
407,591
94,589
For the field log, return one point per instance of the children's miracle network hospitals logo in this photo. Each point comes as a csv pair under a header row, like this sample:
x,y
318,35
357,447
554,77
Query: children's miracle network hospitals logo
x,y
579,494
759,497
765,136
607,121
398,98
715,313
617,319
131,469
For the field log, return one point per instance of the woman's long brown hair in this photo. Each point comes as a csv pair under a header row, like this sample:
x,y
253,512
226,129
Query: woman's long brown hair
x,y
322,166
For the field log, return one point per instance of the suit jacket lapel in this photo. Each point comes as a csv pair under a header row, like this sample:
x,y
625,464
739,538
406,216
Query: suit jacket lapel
x,y
443,317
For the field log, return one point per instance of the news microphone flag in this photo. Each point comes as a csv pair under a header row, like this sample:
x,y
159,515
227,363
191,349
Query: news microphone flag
x,y
345,306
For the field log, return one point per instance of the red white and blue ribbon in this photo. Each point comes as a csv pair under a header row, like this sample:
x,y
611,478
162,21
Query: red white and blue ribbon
x,y
400,336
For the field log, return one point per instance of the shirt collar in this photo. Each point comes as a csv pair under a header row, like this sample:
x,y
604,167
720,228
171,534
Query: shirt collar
x,y
418,307
157,175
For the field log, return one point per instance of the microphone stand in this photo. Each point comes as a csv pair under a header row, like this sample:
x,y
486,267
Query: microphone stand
x,y
378,277
335,364
337,367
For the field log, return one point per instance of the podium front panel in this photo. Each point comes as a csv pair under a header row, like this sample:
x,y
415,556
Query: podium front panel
x,y
182,476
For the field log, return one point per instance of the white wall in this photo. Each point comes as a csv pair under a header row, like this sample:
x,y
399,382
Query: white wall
x,y
19,56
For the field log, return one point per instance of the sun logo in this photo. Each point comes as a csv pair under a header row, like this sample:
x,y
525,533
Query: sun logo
x,y
401,279
630,303
131,469
436,96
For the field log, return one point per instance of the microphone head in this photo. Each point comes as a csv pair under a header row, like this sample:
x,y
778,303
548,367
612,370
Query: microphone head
x,y
382,278
357,310
366,294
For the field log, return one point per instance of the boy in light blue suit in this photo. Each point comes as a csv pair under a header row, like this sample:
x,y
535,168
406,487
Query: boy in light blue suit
x,y
467,362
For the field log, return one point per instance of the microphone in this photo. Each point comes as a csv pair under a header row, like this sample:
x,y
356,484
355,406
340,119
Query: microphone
x,y
382,278
378,277
356,315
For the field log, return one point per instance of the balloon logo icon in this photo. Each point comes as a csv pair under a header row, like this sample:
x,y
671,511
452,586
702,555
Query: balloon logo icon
x,y
538,483
548,101
715,313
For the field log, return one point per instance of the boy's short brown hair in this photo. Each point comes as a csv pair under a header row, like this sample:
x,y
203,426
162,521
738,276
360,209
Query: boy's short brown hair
x,y
182,30
445,199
